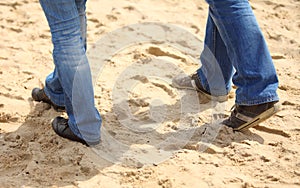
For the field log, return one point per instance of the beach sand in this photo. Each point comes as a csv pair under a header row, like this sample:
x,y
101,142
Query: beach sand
x,y
153,135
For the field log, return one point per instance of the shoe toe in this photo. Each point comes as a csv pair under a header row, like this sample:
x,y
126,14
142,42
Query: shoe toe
x,y
39,95
35,94
182,81
61,127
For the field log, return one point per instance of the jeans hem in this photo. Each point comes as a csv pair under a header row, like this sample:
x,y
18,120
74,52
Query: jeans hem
x,y
258,101
76,131
53,98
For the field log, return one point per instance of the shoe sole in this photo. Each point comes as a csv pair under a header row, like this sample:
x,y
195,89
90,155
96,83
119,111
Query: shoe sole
x,y
260,118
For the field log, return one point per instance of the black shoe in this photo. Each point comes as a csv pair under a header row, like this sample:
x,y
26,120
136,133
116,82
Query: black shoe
x,y
61,127
245,117
39,95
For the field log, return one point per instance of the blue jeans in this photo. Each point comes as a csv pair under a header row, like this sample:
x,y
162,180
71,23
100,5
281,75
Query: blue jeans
x,y
235,51
70,84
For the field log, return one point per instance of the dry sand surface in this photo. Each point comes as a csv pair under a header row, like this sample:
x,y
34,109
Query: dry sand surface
x,y
183,147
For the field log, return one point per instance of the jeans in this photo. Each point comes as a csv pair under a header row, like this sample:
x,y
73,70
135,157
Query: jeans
x,y
235,51
70,84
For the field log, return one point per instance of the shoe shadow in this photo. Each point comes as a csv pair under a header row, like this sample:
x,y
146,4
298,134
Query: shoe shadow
x,y
136,134
39,158
34,155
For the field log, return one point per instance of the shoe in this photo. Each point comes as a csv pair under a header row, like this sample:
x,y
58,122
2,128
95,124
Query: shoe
x,y
39,95
193,82
61,127
245,117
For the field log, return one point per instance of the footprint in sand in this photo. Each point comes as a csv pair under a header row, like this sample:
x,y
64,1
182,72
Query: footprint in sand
x,y
6,118
111,17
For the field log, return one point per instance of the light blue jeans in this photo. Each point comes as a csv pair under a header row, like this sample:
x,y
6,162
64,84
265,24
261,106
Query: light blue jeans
x,y
235,51
70,84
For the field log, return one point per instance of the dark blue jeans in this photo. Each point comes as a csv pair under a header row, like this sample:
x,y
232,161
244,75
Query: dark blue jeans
x,y
235,51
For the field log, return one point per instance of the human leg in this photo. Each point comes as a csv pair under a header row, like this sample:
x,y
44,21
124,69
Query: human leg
x,y
216,68
213,78
53,88
255,76
81,7
73,71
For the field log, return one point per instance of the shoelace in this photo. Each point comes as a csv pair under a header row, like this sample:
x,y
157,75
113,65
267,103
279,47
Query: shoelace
x,y
233,107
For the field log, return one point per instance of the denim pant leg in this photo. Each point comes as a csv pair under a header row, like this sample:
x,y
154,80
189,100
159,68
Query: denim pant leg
x,y
255,75
82,15
216,70
53,88
72,67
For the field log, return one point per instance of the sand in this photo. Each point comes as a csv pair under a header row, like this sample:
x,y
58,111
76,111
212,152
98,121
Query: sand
x,y
153,135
